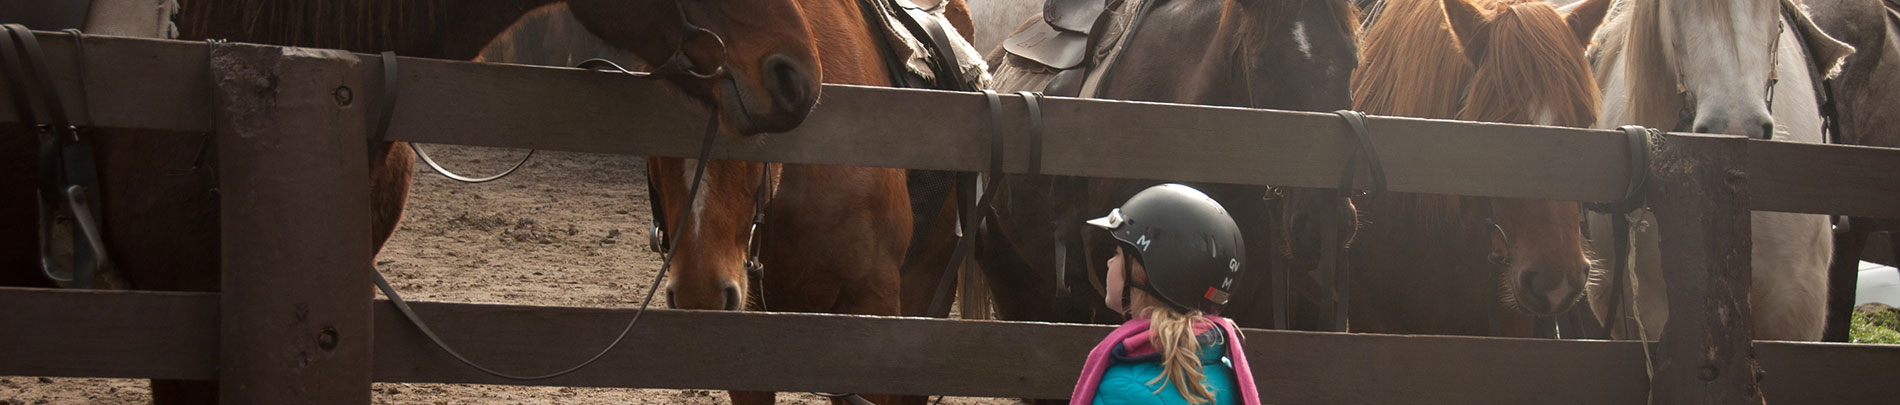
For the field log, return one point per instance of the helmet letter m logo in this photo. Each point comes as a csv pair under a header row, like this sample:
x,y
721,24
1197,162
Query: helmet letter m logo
x,y
1143,242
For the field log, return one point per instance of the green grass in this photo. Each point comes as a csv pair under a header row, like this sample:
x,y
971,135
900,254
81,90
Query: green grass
x,y
1878,328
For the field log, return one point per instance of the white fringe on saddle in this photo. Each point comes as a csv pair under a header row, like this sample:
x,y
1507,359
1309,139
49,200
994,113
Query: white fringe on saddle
x,y
916,51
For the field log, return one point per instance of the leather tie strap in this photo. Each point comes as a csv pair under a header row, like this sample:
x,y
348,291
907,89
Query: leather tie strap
x,y
1638,141
68,174
1034,101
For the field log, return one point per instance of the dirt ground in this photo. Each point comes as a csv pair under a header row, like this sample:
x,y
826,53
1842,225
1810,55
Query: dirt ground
x,y
569,229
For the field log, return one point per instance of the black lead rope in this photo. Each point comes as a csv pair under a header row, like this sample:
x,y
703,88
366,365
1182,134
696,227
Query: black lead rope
x,y
705,152
391,89
1638,141
1331,245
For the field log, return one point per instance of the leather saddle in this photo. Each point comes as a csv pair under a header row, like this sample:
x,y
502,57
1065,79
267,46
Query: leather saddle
x,y
1065,40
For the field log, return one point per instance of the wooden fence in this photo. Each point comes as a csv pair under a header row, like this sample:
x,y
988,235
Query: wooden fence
x,y
297,320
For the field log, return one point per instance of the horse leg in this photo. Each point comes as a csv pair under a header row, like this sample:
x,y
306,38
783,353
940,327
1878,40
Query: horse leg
x,y
931,257
391,168
1842,277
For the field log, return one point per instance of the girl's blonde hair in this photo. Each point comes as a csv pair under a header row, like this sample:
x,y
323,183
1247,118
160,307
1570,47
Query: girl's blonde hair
x,y
1172,334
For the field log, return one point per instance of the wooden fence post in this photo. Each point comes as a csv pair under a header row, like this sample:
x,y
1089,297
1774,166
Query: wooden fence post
x,y
295,323
1698,190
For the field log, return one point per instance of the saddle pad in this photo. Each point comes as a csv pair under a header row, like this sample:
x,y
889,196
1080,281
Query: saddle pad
x,y
915,52
1059,50
1072,15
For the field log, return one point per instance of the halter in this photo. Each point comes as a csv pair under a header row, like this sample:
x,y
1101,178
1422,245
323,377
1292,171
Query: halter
x,y
1685,117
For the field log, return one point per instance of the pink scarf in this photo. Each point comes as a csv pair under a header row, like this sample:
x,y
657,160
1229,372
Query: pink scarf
x,y
1133,336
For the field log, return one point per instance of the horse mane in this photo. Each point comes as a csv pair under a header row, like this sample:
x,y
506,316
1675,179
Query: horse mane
x,y
1531,57
1632,38
357,25
1410,63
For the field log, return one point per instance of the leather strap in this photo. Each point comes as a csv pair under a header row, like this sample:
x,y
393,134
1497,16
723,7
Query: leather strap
x,y
1336,262
1036,129
944,58
68,174
666,262
392,88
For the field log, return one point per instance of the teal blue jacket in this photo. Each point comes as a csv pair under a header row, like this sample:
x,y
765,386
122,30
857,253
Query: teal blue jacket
x,y
1127,381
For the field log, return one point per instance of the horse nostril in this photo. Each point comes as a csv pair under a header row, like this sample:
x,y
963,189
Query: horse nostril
x,y
1767,130
670,303
1703,129
732,298
791,87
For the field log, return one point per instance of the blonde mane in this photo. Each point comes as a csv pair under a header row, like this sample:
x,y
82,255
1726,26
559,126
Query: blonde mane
x,y
1634,31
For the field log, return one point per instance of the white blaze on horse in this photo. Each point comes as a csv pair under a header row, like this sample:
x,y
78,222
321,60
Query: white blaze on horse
x,y
1726,67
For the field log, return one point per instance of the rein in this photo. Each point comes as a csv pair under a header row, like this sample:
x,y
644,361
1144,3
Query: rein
x,y
672,68
68,172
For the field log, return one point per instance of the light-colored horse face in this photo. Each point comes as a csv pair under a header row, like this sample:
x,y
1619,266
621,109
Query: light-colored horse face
x,y
1722,52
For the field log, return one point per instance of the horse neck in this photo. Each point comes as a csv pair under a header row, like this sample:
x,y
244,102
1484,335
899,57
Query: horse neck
x,y
444,29
847,52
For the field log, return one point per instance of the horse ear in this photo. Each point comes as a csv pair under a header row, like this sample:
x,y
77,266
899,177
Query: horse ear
x,y
1586,17
1466,19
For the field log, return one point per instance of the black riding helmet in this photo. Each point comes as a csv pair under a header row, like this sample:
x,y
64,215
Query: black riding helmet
x,y
1190,246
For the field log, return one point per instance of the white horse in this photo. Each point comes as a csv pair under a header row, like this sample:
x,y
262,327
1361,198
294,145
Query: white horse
x,y
1661,61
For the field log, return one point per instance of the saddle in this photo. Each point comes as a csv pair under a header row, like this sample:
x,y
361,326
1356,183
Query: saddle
x,y
1076,40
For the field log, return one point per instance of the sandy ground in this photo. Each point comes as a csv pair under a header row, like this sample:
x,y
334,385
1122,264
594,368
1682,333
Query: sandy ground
x,y
569,229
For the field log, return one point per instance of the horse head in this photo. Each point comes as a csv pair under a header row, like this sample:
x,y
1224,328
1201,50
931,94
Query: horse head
x,y
708,272
1719,53
755,60
1529,69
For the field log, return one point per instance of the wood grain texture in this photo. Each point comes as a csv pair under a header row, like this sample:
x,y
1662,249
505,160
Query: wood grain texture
x,y
174,335
1824,179
1698,193
161,84
91,333
295,319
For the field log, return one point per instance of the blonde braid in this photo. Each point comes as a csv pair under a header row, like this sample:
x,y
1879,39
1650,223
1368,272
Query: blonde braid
x,y
1172,334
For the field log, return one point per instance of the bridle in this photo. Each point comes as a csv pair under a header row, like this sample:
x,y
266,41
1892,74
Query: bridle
x,y
675,66
763,195
68,173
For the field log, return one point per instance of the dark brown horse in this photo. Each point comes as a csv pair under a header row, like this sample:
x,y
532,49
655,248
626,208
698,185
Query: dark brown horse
x,y
1439,264
1279,54
159,190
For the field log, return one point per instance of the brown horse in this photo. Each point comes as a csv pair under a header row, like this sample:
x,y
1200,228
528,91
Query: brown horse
x,y
1442,264
1279,54
159,191
833,238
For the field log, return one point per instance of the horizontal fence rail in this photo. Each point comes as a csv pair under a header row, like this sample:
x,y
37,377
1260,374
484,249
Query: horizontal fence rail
x,y
162,85
174,335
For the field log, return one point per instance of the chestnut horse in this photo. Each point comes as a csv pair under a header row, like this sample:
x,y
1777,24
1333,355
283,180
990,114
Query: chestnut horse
x,y
1441,264
832,238
1279,54
159,191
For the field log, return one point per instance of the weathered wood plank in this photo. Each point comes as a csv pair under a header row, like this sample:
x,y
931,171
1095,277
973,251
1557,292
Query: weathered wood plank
x,y
1824,179
91,333
295,323
163,85
1698,193
174,335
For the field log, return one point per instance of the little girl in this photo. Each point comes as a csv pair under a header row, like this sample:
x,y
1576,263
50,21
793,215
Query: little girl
x,y
1175,263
